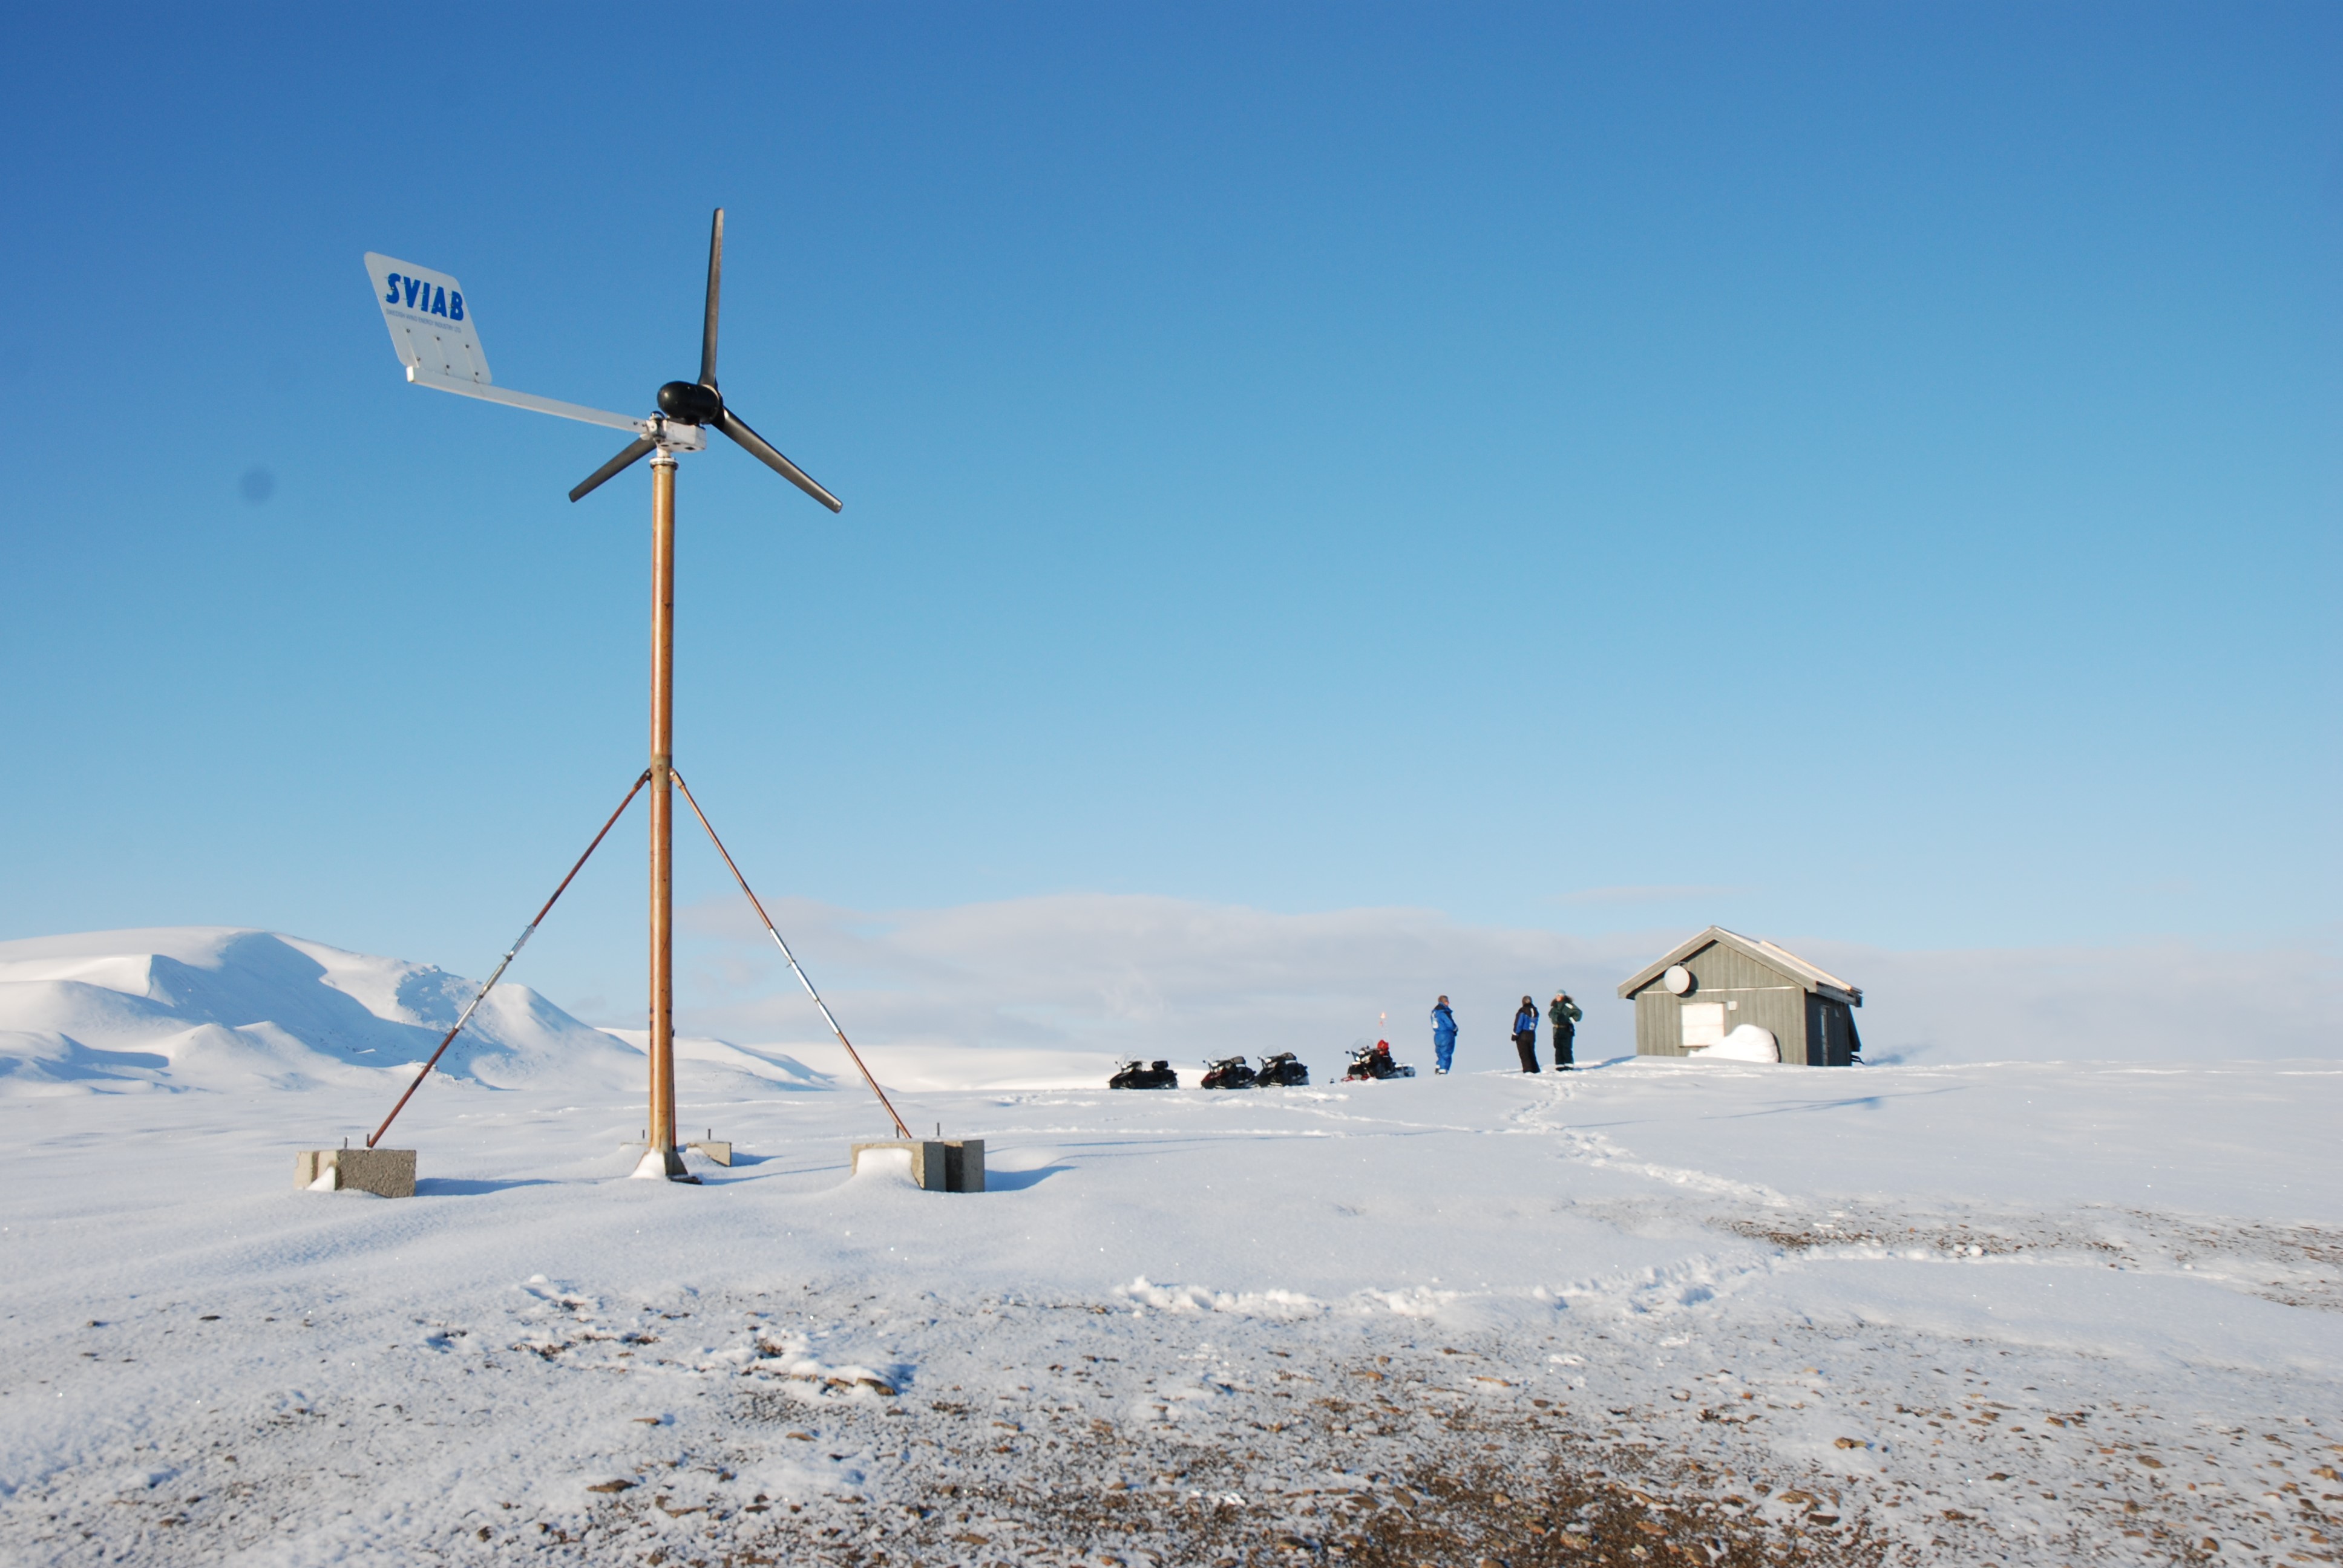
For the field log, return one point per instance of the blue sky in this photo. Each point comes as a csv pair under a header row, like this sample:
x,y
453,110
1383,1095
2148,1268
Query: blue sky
x,y
1862,471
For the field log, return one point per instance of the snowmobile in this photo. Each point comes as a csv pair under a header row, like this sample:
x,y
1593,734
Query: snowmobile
x,y
1228,1072
1144,1075
1281,1071
1375,1062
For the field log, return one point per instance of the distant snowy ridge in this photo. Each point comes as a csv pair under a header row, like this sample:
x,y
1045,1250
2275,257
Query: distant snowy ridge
x,y
226,1009
217,1008
763,1062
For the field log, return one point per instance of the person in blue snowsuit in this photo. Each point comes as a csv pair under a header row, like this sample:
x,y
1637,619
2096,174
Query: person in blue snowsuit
x,y
1525,1035
1443,1034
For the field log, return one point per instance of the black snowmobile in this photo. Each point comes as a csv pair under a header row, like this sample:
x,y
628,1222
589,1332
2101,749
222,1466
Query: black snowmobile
x,y
1144,1075
1228,1072
1374,1060
1281,1071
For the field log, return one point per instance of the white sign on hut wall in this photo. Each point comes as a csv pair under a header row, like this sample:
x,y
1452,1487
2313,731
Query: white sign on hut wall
x,y
1703,1024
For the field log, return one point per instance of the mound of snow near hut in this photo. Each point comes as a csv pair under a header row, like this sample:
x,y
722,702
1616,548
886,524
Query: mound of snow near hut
x,y
1747,1043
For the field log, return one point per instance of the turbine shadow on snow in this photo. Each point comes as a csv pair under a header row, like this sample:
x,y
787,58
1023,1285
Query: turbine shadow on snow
x,y
473,1187
998,1180
1848,1102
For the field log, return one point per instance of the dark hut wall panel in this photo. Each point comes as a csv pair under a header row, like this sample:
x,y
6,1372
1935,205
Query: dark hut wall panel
x,y
1834,1026
1659,1031
1781,1008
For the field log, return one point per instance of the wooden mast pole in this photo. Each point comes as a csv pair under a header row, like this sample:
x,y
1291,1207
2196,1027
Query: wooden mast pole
x,y
663,813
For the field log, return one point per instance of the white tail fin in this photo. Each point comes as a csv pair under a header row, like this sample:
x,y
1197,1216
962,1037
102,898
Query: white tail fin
x,y
433,329
431,321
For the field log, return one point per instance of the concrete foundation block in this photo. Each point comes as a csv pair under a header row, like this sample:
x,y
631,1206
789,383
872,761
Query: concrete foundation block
x,y
719,1152
385,1172
938,1164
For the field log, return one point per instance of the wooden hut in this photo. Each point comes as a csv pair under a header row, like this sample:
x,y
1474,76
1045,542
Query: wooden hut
x,y
1701,990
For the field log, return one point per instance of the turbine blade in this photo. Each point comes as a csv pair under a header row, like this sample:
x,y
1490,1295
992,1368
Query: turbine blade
x,y
715,286
635,452
732,424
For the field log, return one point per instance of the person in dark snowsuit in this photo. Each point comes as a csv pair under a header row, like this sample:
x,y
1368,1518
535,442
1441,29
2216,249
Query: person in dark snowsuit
x,y
1564,1016
1525,1035
1443,1034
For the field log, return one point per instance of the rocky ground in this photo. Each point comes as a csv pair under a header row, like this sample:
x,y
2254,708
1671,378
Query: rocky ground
x,y
841,1428
1894,1317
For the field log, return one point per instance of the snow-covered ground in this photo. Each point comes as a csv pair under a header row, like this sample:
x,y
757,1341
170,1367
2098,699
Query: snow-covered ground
x,y
2043,1312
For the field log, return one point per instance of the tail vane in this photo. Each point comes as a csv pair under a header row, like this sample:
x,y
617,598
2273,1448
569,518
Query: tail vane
x,y
431,326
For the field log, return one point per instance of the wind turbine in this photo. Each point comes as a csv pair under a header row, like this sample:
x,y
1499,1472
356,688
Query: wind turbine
x,y
437,339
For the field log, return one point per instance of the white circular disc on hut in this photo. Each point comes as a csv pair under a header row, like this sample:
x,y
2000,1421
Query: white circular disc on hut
x,y
1678,980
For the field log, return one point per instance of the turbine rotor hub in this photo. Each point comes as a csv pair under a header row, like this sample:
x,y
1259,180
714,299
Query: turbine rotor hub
x,y
688,403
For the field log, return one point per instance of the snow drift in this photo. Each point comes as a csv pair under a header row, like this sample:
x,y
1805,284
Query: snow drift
x,y
1747,1043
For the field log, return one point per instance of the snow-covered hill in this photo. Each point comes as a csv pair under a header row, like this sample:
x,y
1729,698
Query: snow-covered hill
x,y
220,1008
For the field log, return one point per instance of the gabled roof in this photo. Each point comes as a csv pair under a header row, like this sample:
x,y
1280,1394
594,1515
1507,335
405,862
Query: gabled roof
x,y
1764,953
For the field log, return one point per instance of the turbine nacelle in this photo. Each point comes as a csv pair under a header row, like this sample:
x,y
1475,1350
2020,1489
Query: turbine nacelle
x,y
690,403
